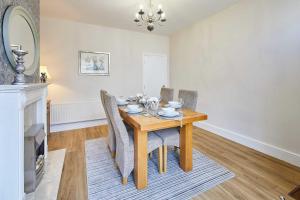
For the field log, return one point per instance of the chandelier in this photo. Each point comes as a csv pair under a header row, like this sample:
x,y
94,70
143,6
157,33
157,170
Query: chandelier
x,y
149,16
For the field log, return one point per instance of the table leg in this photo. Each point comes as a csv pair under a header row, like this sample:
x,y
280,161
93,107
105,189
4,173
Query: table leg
x,y
140,158
186,147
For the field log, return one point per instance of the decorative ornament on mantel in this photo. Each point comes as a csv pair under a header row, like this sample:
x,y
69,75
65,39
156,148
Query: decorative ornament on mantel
x,y
20,68
45,76
149,17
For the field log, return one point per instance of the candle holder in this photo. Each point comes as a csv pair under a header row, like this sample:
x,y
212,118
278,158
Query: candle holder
x,y
20,68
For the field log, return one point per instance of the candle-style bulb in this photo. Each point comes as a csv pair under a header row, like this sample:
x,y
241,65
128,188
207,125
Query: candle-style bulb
x,y
163,17
159,7
141,7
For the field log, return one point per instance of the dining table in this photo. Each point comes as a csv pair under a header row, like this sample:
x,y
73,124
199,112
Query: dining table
x,y
142,124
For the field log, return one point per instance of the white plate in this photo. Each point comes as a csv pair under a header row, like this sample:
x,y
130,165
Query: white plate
x,y
133,111
168,109
176,106
173,106
122,103
170,114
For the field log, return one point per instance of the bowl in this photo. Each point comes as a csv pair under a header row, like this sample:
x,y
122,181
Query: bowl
x,y
121,101
131,98
173,103
133,107
168,110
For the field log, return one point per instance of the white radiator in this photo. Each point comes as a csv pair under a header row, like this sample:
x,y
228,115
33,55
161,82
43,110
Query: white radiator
x,y
62,113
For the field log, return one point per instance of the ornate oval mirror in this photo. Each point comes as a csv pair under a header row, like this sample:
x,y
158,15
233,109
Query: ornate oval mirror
x,y
19,32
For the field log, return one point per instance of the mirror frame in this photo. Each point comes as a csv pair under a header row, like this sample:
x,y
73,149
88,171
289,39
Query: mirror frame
x,y
10,12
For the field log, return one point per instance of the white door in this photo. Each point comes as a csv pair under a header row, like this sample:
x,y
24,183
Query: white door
x,y
155,74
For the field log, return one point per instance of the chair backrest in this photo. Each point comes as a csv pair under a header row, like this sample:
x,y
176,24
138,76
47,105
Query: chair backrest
x,y
189,98
102,92
166,94
116,120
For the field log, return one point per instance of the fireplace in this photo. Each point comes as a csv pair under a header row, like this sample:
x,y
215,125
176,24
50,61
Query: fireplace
x,y
34,157
21,107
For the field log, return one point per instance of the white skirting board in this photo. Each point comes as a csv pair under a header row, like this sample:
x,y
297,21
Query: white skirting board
x,y
271,150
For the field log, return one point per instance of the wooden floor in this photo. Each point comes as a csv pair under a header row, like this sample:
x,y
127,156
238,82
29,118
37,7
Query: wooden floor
x,y
257,176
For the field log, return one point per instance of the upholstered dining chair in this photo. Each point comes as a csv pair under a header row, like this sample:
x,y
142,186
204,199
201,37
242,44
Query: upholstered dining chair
x,y
170,136
125,143
166,94
189,98
111,134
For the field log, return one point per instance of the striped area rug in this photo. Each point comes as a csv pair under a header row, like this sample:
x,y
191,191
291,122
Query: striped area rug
x,y
104,179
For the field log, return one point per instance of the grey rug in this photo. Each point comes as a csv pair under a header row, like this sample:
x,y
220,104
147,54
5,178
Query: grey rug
x,y
104,179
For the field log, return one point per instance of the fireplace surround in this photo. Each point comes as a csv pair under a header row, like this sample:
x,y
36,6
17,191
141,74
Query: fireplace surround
x,y
21,107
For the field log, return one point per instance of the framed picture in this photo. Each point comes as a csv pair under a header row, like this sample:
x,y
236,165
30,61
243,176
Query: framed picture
x,y
94,63
15,46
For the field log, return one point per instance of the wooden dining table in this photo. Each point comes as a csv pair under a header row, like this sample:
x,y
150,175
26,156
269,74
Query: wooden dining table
x,y
144,124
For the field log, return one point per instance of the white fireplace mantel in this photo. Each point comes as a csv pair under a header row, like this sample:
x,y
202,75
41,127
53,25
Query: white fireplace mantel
x,y
20,107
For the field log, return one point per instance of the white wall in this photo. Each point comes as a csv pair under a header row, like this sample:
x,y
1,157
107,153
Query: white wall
x,y
245,64
76,97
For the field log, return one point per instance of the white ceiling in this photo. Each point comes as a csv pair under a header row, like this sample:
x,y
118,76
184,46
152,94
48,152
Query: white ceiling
x,y
120,13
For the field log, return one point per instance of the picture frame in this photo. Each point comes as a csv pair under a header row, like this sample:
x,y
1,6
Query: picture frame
x,y
94,63
16,46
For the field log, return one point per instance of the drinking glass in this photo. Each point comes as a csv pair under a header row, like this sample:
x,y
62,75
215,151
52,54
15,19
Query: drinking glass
x,y
154,107
181,101
147,106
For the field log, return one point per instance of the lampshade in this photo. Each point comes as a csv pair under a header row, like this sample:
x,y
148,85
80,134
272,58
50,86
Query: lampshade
x,y
43,69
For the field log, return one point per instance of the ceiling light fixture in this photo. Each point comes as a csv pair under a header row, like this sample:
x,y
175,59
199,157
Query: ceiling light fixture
x,y
149,17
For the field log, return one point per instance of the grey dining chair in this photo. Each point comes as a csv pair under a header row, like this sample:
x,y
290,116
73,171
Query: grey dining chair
x,y
166,94
189,98
111,134
125,142
170,136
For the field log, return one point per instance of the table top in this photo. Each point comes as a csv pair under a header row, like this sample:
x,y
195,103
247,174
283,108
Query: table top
x,y
151,123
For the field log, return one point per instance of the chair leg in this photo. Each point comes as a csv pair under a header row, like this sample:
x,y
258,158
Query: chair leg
x,y
113,154
124,180
175,149
165,155
160,160
150,155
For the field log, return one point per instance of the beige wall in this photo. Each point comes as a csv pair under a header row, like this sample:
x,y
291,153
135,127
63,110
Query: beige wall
x,y
245,64
60,42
